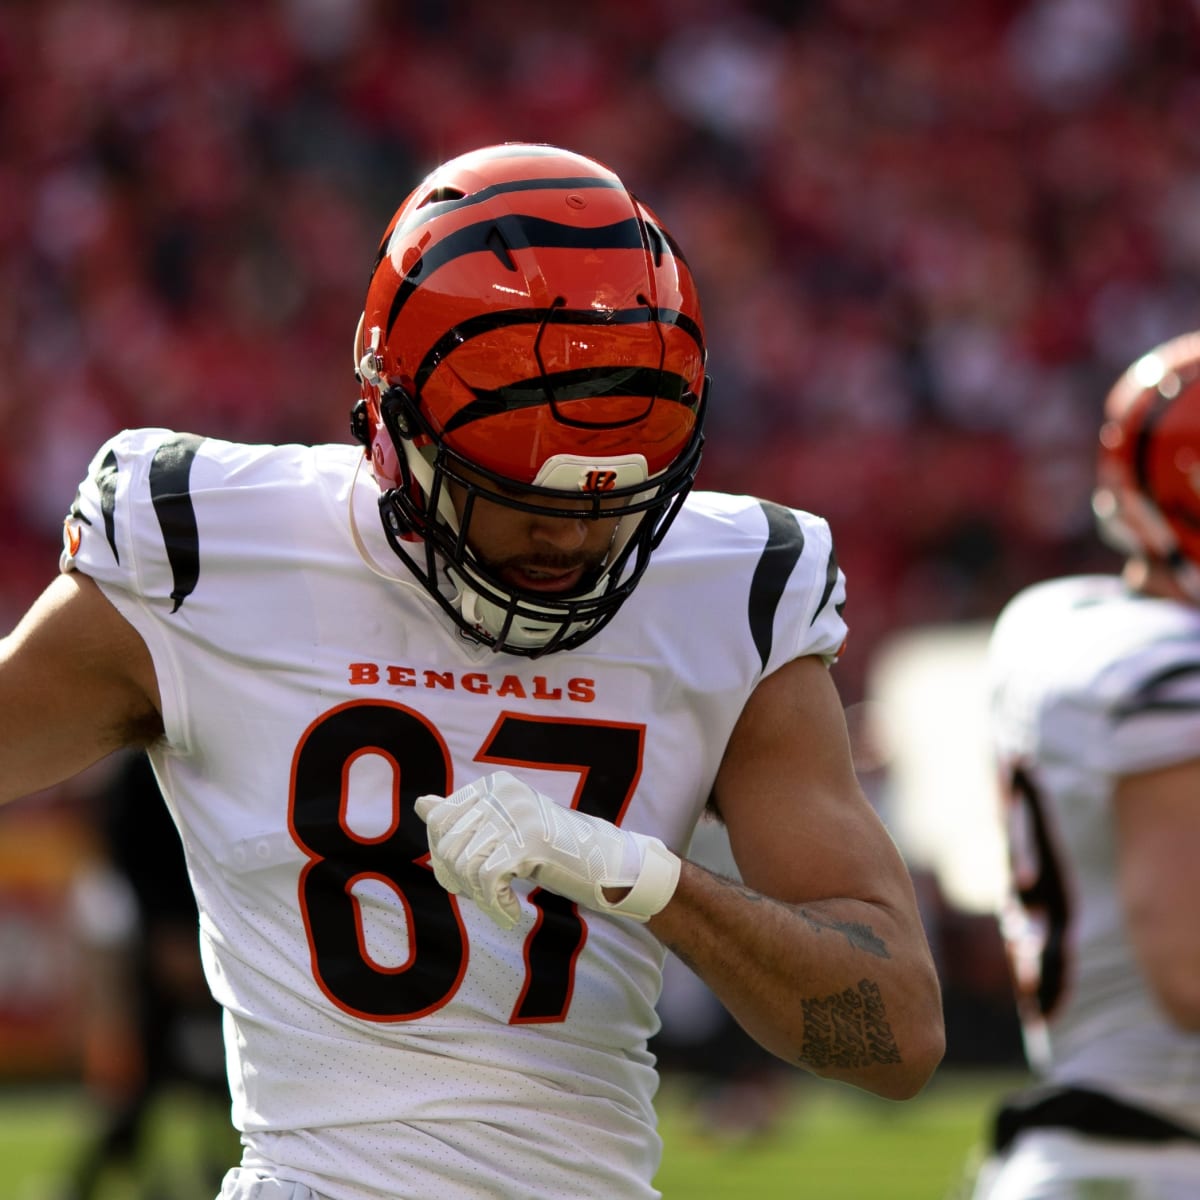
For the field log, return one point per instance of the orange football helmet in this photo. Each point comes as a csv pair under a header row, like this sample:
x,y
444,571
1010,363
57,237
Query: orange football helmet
x,y
1147,498
531,333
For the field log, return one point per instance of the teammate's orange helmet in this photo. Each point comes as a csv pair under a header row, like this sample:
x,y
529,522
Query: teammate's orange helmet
x,y
1147,498
531,332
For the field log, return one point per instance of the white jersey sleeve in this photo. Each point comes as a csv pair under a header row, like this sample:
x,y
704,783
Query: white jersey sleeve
x,y
132,529
1108,679
787,591
383,1036
811,620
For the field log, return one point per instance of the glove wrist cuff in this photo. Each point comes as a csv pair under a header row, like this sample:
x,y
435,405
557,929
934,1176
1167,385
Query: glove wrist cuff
x,y
656,883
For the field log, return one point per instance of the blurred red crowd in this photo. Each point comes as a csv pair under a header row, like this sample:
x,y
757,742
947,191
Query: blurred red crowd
x,y
928,236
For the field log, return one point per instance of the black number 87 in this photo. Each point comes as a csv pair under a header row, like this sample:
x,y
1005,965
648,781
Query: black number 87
x,y
606,755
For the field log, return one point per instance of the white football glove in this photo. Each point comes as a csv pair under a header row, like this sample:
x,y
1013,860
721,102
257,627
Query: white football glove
x,y
497,829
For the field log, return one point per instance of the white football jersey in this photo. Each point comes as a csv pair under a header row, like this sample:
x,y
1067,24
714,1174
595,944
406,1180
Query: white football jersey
x,y
1090,682
385,1038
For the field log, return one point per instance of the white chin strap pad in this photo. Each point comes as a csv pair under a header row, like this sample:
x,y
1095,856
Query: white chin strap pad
x,y
490,618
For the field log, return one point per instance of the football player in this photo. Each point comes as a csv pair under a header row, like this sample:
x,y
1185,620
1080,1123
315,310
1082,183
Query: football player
x,y
436,715
1096,723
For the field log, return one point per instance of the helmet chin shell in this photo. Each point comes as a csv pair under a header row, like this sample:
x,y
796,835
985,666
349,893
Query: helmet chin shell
x,y
526,307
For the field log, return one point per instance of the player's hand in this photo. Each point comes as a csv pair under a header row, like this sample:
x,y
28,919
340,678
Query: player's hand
x,y
497,829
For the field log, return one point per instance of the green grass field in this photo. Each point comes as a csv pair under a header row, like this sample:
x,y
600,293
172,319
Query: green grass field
x,y
836,1143
831,1143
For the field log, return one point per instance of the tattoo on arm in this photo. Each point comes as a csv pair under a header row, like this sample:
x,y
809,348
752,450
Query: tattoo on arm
x,y
848,1029
860,936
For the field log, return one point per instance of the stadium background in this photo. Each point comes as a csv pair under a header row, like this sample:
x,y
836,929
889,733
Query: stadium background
x,y
928,235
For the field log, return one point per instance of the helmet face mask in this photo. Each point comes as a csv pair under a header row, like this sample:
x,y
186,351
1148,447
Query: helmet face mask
x,y
425,530
532,339
1147,499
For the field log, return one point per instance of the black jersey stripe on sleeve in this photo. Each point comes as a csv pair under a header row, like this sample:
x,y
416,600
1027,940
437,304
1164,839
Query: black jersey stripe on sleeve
x,y
106,485
831,575
171,496
1149,696
785,544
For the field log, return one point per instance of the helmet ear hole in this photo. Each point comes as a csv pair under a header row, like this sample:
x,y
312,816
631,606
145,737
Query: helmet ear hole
x,y
360,425
399,413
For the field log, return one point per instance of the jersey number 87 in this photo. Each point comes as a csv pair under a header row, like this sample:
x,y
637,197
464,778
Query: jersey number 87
x,y
608,758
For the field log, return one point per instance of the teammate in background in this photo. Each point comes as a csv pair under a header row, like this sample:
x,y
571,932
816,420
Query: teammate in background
x,y
1096,712
436,773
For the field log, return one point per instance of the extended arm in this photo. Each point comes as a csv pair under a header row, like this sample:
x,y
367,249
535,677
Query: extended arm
x,y
76,683
1158,847
819,953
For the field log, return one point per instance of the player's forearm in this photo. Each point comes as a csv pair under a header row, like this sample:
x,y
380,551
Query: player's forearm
x,y
840,988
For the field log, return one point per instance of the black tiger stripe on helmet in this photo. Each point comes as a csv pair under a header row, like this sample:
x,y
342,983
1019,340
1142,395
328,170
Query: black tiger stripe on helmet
x,y
509,277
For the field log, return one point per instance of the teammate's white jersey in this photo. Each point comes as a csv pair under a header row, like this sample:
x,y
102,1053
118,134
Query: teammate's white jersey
x,y
384,1038
1090,682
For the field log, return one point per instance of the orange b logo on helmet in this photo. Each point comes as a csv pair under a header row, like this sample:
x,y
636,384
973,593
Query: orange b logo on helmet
x,y
598,480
